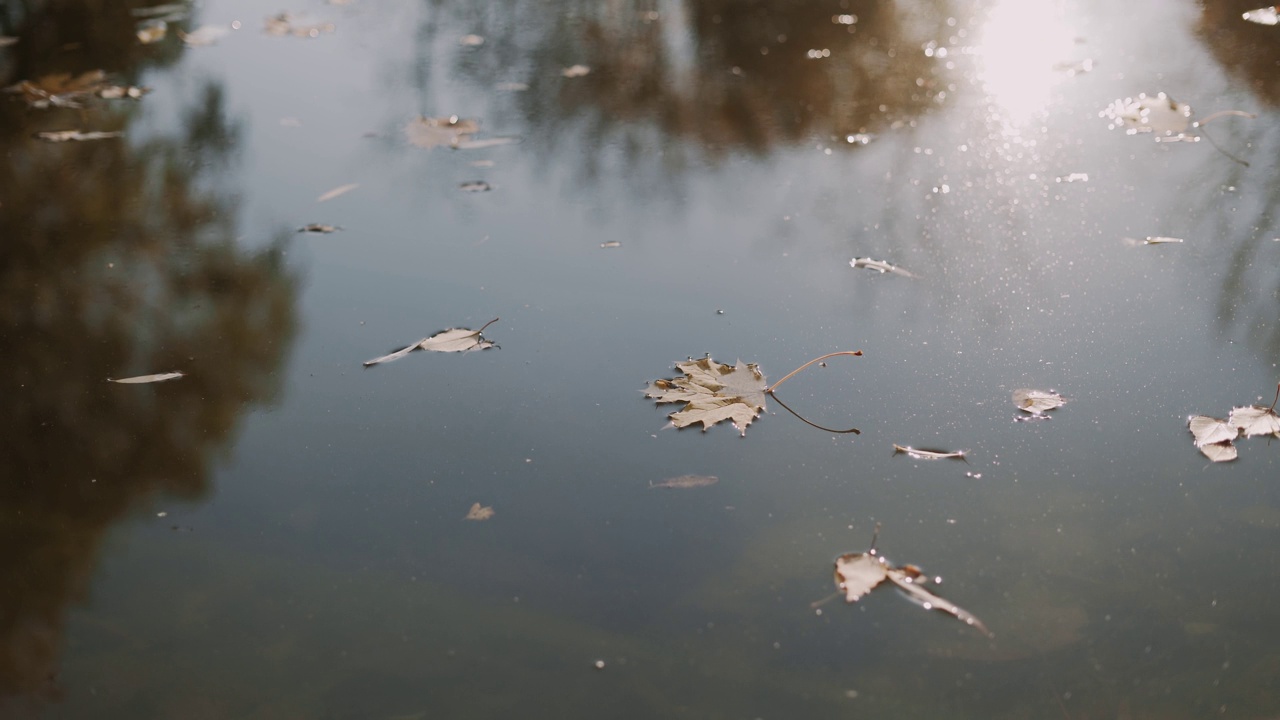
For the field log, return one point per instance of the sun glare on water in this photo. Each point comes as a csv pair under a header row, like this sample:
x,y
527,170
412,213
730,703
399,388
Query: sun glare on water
x,y
1023,45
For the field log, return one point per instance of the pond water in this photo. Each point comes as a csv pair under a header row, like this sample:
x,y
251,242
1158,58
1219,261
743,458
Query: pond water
x,y
280,533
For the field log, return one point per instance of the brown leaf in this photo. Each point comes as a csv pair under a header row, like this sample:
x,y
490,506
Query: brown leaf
x,y
713,392
477,512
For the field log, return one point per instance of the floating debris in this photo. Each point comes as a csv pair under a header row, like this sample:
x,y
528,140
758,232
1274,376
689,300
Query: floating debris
x,y
471,41
923,454
143,379
152,31
479,512
204,36
57,136
880,266
336,192
318,228
1073,178
575,71
686,481
475,186
611,244
1264,15
288,24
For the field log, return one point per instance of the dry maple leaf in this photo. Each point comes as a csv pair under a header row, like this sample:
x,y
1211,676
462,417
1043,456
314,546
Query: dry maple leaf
x,y
713,392
857,574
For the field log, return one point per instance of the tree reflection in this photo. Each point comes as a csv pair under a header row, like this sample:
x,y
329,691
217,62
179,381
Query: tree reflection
x,y
723,75
1251,286
118,257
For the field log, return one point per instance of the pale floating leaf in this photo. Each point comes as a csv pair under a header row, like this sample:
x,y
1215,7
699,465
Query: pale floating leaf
x,y
288,24
479,512
611,244
857,574
142,379
1209,431
318,228
1037,402
1161,116
1158,240
879,266
471,41
1264,15
7,40
475,186
429,132
712,392
1254,420
451,340
575,71
58,136
457,340
336,192
1073,178
1219,452
910,581
151,31
921,454
686,481
204,36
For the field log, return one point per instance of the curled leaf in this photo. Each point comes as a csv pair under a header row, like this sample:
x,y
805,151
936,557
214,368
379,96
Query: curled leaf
x,y
58,136
1254,420
922,454
879,266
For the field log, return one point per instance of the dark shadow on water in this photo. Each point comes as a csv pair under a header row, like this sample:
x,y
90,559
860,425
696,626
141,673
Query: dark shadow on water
x,y
118,258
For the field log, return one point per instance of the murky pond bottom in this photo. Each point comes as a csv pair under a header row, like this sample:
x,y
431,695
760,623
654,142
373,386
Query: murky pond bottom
x,y
284,532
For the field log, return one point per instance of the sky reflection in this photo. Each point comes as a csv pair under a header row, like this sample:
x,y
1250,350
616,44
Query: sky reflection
x,y
1021,46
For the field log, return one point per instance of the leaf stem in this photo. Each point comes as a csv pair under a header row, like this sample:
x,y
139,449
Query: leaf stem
x,y
1273,402
487,325
787,377
1221,113
799,417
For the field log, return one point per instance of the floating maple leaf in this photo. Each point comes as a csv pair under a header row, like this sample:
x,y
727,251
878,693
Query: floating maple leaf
x,y
857,574
451,340
1037,402
713,392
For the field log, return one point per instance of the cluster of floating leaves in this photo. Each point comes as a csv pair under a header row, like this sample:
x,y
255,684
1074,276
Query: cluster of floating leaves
x,y
64,90
857,574
1215,438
